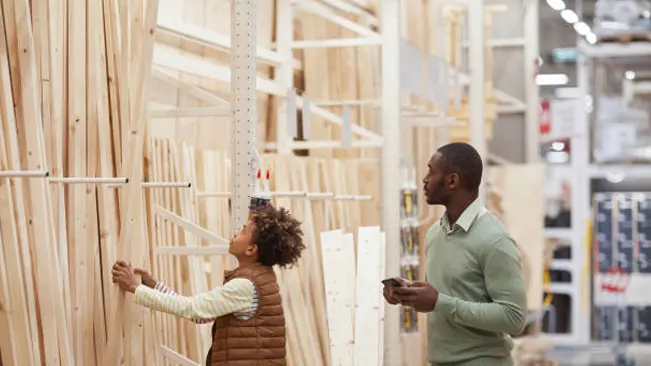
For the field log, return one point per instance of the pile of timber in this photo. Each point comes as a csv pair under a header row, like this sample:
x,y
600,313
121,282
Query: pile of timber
x,y
73,88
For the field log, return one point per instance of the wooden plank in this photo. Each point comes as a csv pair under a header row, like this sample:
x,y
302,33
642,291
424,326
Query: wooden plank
x,y
338,251
56,338
19,328
368,298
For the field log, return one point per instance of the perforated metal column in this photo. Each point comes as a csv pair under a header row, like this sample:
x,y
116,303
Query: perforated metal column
x,y
244,105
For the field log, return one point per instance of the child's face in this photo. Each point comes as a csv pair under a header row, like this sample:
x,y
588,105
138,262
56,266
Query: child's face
x,y
242,245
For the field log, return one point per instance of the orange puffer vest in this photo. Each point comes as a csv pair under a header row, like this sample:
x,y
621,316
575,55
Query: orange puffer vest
x,y
258,341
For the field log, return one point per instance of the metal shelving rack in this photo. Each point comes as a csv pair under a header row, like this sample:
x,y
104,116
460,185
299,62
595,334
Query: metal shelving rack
x,y
583,172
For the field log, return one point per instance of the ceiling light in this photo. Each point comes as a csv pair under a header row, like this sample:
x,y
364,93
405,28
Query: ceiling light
x,y
581,28
551,79
556,4
630,75
615,177
567,93
569,16
591,38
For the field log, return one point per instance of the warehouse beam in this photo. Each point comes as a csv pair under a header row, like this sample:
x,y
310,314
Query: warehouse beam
x,y
477,87
284,75
207,38
166,57
390,166
531,91
329,14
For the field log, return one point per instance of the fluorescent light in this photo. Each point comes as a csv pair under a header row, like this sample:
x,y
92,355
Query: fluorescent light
x,y
591,38
569,16
615,177
551,79
630,75
581,28
556,4
567,93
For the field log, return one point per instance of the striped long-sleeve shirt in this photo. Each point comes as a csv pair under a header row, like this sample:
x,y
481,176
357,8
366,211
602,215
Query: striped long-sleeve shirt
x,y
237,296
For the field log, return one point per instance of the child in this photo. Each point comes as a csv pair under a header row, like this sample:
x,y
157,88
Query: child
x,y
249,324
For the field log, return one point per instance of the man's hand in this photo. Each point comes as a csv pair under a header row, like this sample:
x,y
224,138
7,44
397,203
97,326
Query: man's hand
x,y
124,276
388,291
147,279
388,295
419,295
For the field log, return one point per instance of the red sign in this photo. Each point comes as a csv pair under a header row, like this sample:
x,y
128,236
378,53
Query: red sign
x,y
545,120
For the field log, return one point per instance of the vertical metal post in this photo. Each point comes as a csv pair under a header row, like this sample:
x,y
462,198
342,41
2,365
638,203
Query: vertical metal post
x,y
390,166
532,97
285,72
244,105
477,79
580,198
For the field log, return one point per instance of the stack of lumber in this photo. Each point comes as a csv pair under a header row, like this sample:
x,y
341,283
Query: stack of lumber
x,y
73,90
303,287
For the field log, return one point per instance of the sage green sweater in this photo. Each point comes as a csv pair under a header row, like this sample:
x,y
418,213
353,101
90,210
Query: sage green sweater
x,y
476,268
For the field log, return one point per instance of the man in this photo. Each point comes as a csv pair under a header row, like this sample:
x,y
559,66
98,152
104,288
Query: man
x,y
474,291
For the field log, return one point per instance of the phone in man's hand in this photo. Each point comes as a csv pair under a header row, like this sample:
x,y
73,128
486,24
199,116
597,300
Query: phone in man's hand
x,y
392,282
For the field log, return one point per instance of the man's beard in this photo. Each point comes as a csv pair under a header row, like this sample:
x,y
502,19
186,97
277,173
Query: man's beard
x,y
438,195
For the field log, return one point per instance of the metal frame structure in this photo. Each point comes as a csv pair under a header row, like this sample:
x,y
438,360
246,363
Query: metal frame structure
x,y
583,171
245,83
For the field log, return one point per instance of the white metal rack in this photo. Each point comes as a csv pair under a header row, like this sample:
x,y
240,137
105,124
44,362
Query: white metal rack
x,y
583,172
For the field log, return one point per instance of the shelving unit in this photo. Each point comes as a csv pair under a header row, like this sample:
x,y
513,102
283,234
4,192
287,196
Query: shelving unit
x,y
584,171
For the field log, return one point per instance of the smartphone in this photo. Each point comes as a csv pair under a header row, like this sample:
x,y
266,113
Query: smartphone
x,y
392,282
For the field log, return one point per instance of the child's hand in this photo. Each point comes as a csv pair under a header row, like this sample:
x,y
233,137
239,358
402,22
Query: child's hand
x,y
124,276
147,279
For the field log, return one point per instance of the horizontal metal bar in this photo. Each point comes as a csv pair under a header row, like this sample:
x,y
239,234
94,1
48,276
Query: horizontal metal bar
x,y
24,173
190,226
328,13
168,57
352,198
166,185
320,196
89,180
338,42
433,121
214,40
351,102
502,42
308,195
326,144
288,194
206,250
213,194
190,112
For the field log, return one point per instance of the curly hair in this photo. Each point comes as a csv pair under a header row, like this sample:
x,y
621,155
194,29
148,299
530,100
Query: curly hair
x,y
278,236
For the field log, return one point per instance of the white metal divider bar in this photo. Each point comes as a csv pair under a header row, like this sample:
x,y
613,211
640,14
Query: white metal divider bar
x,y
531,91
284,76
476,66
297,194
245,116
390,166
24,173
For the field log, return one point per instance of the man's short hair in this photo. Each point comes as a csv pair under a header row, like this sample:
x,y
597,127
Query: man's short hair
x,y
463,159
